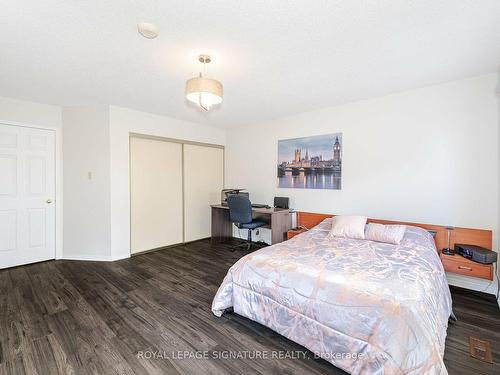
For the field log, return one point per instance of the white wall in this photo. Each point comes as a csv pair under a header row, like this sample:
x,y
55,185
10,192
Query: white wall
x,y
427,155
87,183
498,170
97,210
24,113
122,123
30,113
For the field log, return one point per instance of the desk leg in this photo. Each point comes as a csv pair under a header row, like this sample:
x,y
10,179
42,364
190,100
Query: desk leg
x,y
280,224
222,229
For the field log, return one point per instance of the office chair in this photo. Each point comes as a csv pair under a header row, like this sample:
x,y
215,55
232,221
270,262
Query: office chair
x,y
240,213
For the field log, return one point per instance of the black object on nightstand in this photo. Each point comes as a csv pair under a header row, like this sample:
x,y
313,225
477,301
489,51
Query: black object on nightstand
x,y
476,253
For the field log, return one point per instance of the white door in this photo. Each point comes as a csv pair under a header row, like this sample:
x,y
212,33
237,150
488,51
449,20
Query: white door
x,y
155,193
27,194
203,182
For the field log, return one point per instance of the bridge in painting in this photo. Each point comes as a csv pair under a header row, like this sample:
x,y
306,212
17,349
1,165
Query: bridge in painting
x,y
308,170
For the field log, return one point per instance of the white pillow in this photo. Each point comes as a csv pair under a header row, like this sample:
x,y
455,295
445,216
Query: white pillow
x,y
349,227
392,234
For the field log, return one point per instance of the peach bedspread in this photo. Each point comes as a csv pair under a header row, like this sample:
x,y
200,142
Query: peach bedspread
x,y
367,307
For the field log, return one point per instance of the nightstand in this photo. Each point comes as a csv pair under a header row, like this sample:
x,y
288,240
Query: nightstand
x,y
293,232
463,266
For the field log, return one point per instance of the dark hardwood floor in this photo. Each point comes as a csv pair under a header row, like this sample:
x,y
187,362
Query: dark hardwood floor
x,y
74,317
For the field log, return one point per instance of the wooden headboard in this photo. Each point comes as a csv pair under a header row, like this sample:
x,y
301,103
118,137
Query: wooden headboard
x,y
478,237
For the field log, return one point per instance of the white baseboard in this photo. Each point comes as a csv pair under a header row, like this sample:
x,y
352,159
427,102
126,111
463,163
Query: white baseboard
x,y
88,257
472,283
94,257
119,257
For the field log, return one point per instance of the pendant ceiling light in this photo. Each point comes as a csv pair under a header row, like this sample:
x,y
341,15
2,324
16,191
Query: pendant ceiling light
x,y
204,91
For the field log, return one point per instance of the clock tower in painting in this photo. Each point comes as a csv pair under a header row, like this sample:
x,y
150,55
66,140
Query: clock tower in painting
x,y
337,157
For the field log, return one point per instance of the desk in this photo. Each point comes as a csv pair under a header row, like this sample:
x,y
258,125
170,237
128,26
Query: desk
x,y
278,219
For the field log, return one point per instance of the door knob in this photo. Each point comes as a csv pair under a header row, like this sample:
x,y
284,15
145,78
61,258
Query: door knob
x,y
49,201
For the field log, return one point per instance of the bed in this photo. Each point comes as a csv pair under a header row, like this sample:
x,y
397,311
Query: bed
x,y
367,307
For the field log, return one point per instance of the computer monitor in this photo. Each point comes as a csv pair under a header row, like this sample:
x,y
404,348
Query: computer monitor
x,y
281,202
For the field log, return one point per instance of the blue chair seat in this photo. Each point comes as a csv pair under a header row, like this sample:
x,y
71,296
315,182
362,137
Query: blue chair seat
x,y
252,225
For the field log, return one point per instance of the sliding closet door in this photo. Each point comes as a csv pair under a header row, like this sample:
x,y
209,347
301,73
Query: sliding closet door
x,y
203,181
156,193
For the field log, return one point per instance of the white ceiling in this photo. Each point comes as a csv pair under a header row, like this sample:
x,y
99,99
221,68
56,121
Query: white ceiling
x,y
275,58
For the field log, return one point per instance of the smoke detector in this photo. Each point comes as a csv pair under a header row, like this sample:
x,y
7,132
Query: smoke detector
x,y
148,30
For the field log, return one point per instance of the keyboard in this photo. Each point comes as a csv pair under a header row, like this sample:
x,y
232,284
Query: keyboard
x,y
256,205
